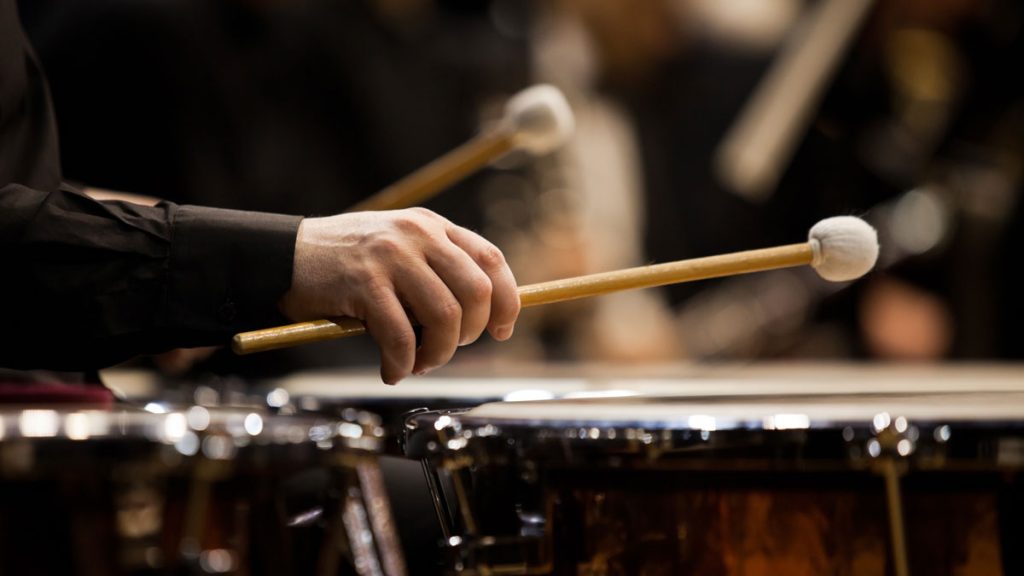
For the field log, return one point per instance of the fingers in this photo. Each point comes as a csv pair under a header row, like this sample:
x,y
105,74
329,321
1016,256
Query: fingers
x,y
390,327
468,284
504,306
372,265
463,287
438,312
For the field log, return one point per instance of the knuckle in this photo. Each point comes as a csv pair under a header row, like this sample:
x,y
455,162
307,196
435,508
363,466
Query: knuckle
x,y
491,258
481,288
388,247
401,340
422,212
407,224
448,312
416,221
428,215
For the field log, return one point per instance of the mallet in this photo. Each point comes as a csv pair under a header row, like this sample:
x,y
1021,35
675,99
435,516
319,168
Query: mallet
x,y
840,249
537,120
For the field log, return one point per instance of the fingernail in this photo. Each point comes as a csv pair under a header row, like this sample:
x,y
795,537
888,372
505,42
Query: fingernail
x,y
422,372
504,332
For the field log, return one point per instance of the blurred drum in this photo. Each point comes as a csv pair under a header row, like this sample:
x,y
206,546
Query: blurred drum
x,y
197,491
338,393
857,484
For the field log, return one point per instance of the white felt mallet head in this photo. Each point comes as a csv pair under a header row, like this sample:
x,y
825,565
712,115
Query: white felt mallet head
x,y
540,118
845,248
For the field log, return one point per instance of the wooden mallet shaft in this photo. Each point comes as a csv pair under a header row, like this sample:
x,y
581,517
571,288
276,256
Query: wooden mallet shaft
x,y
557,291
537,120
443,172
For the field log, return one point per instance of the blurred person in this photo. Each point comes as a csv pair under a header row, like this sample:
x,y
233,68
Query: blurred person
x,y
652,94
921,101
941,118
92,282
587,215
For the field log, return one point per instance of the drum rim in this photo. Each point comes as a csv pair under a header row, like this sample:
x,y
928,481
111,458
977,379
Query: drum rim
x,y
761,412
871,433
360,431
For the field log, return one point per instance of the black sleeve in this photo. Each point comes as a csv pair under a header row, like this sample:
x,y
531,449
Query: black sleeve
x,y
87,284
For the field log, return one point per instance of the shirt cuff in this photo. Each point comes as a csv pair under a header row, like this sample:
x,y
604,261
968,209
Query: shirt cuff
x,y
228,269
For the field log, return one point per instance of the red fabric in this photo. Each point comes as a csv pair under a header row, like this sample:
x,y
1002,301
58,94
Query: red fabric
x,y
55,393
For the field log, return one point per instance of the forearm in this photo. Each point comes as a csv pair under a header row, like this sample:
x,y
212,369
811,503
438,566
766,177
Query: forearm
x,y
88,283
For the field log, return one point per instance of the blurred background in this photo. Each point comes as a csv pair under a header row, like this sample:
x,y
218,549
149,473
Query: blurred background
x,y
703,126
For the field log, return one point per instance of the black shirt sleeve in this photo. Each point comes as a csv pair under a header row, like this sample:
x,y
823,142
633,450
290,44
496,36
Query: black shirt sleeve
x,y
87,284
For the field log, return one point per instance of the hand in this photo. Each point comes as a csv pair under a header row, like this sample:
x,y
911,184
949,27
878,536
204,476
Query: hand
x,y
375,265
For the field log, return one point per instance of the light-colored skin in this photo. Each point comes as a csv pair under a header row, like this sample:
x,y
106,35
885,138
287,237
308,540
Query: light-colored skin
x,y
385,267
